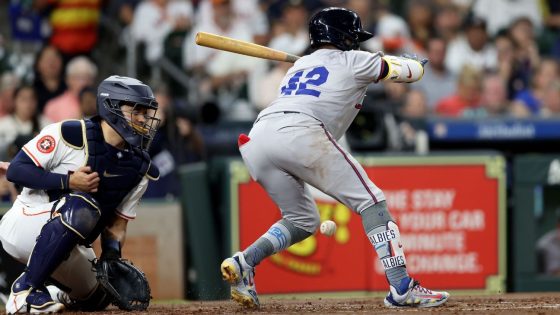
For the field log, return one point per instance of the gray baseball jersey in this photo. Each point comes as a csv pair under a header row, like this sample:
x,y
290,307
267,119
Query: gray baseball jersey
x,y
293,141
329,85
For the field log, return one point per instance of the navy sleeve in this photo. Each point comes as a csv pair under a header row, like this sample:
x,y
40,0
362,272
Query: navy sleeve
x,y
22,171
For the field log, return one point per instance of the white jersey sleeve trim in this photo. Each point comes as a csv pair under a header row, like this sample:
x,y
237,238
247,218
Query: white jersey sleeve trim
x,y
127,208
32,157
46,149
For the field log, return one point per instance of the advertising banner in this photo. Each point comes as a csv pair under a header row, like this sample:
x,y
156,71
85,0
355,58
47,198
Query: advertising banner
x,y
450,211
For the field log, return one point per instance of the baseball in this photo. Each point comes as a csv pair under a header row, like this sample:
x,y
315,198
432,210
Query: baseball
x,y
328,228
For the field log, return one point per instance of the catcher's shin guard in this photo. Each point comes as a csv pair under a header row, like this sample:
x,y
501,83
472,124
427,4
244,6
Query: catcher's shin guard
x,y
75,217
53,246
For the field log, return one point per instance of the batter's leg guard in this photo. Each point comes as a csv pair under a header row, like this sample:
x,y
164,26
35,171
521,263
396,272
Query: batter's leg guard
x,y
387,243
384,235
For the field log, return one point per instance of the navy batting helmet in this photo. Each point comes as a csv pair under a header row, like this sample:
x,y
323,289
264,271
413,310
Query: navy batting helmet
x,y
116,91
339,27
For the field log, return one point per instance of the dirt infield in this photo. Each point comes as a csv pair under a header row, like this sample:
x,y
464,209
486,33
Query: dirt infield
x,y
511,304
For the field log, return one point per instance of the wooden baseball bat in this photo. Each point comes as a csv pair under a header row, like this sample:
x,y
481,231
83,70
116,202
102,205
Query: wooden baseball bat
x,y
242,47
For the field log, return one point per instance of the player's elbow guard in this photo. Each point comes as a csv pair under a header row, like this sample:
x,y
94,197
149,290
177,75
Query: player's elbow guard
x,y
403,70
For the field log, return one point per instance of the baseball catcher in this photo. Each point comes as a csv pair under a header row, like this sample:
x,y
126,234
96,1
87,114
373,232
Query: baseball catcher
x,y
82,179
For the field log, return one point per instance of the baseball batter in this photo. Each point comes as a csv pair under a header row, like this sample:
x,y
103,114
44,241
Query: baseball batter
x,y
81,179
294,141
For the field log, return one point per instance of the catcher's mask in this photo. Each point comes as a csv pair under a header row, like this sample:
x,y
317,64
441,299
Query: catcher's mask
x,y
339,27
129,107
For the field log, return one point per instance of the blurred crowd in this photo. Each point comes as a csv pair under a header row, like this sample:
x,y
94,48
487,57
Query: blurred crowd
x,y
487,58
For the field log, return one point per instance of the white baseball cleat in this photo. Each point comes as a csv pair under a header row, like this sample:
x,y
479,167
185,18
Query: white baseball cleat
x,y
240,276
25,299
414,296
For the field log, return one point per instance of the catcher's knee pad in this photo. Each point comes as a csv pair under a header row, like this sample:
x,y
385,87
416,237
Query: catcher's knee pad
x,y
79,213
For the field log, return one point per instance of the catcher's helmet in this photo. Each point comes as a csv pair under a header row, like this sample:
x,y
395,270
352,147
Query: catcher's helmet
x,y
339,27
116,91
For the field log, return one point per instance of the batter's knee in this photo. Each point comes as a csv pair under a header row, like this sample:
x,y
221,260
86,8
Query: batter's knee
x,y
309,222
79,213
315,223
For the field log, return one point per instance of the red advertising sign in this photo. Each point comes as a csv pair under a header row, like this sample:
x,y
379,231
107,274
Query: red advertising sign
x,y
450,215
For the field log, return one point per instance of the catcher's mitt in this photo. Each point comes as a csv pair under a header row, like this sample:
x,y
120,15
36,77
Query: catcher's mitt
x,y
124,282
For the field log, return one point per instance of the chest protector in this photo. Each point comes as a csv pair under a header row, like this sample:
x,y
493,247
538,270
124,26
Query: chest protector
x,y
120,171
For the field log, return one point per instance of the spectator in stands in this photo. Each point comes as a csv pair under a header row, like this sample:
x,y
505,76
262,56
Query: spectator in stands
x,y
392,34
247,13
176,143
24,120
48,82
551,100
447,22
499,14
161,148
552,22
223,75
122,11
80,72
548,251
412,115
88,101
466,96
6,60
394,95
415,105
494,101
526,50
420,18
473,49
547,71
508,68
8,84
292,29
154,20
438,82
552,14
74,25
189,145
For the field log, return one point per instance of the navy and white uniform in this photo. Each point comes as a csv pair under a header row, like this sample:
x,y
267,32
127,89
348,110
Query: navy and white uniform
x,y
59,149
